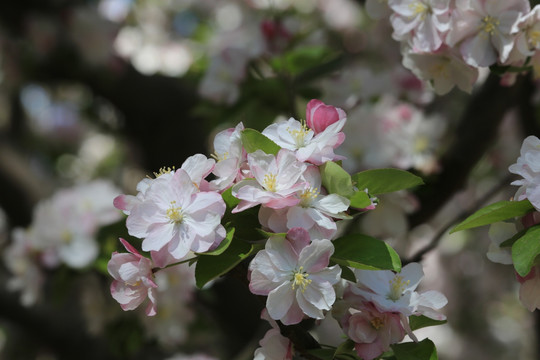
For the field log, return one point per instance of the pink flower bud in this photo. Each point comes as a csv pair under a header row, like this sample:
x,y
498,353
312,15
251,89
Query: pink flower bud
x,y
319,115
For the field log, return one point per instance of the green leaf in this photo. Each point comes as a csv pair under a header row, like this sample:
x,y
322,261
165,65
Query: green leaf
x,y
229,199
498,211
225,243
211,267
347,273
511,241
382,181
268,235
345,351
423,350
525,250
364,252
418,322
360,200
336,180
252,140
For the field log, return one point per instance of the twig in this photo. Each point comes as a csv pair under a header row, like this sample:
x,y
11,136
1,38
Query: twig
x,y
460,217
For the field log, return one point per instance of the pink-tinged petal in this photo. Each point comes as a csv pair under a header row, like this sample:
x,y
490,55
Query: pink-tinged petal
x,y
198,167
117,259
331,275
273,219
280,300
139,219
319,115
151,309
206,201
282,202
158,236
162,257
181,242
130,247
125,202
307,307
316,256
369,351
412,272
320,295
282,253
293,316
478,51
299,239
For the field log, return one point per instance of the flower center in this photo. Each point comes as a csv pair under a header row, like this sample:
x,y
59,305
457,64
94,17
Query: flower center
x,y
377,323
419,8
164,170
397,286
490,24
269,182
307,196
299,135
534,38
300,279
174,213
220,157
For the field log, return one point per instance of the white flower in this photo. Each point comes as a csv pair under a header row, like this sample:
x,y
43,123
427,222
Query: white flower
x,y
528,166
295,276
498,233
396,292
176,214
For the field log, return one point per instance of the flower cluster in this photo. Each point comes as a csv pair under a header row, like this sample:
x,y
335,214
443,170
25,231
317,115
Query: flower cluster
x,y
179,215
446,42
63,231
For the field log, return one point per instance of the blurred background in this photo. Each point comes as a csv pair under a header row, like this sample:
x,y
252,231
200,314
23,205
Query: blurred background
x,y
97,94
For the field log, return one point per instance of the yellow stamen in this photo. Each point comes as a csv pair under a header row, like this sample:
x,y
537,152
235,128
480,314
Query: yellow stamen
x,y
299,135
490,24
270,182
174,213
397,286
300,279
162,171
419,8
377,323
220,157
534,38
307,196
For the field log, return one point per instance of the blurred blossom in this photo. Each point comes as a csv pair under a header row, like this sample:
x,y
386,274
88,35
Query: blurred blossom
x,y
392,133
63,231
174,294
229,16
114,10
341,14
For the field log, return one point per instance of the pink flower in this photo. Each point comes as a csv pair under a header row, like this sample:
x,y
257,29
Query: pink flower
x,y
295,276
276,180
372,331
274,346
133,279
174,213
529,291
528,167
319,115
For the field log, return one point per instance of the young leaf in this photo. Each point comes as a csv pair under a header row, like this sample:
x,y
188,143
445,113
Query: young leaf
x,y
360,200
525,250
381,181
498,211
252,140
336,180
364,252
418,322
229,199
223,245
211,267
423,350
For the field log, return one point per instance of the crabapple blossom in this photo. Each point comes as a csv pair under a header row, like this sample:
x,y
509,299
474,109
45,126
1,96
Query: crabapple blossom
x,y
529,291
396,292
276,180
231,165
174,213
498,233
308,144
485,31
372,331
528,167
274,346
319,115
295,276
423,23
133,279
443,69
314,212
528,39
